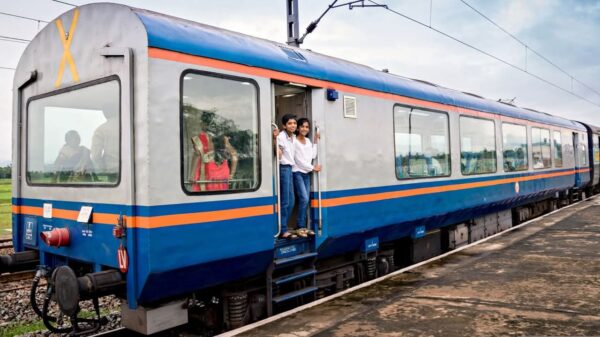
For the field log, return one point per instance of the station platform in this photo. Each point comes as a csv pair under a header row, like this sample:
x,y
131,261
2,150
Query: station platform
x,y
540,279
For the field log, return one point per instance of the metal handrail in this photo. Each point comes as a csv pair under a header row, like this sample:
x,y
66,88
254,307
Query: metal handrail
x,y
277,186
319,183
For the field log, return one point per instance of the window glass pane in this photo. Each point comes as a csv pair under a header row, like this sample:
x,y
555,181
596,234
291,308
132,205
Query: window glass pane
x,y
220,134
540,141
477,146
421,142
596,149
557,149
73,137
514,139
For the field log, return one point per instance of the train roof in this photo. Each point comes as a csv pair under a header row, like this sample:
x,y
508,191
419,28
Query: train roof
x,y
180,35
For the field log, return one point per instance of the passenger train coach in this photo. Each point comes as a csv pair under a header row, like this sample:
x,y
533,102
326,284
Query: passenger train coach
x,y
144,167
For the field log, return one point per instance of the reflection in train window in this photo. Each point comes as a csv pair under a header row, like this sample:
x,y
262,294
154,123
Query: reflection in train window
x,y
73,137
558,162
421,142
220,134
477,146
540,142
514,140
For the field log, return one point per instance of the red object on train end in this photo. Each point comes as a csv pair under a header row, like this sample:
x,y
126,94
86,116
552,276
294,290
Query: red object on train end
x,y
58,237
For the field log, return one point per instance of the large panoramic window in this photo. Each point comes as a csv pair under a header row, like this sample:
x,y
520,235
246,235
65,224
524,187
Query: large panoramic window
x,y
220,134
421,142
514,141
73,137
477,146
558,161
540,142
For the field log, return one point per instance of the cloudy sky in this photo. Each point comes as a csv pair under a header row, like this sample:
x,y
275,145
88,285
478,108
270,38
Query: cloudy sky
x,y
566,32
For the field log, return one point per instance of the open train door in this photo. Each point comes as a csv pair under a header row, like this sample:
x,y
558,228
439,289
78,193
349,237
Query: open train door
x,y
308,102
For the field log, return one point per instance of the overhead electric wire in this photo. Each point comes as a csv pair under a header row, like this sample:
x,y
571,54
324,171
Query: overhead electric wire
x,y
13,39
64,3
529,47
488,54
23,17
7,68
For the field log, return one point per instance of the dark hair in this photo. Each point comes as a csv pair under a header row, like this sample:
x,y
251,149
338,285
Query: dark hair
x,y
300,122
287,117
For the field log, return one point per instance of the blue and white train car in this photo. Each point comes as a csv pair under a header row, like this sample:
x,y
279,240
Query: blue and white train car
x,y
143,164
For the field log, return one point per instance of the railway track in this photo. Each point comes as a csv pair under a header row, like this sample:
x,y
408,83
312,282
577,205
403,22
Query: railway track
x,y
17,276
6,243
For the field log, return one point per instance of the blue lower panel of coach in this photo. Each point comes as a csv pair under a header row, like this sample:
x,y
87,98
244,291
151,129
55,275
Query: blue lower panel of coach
x,y
349,225
176,260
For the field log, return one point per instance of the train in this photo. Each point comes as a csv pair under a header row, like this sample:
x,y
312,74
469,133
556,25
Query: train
x,y
144,168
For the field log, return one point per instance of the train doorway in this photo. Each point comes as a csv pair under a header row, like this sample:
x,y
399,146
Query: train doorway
x,y
292,99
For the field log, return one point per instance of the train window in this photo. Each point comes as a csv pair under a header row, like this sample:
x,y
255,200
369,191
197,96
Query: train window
x,y
514,140
422,143
477,146
73,136
219,130
558,162
540,142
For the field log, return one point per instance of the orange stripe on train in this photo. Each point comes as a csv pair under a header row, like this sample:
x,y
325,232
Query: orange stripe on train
x,y
239,213
429,190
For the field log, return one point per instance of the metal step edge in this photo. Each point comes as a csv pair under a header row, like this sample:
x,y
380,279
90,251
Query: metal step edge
x,y
294,294
299,257
293,277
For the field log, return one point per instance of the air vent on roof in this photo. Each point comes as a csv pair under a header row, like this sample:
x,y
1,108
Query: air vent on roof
x,y
294,55
350,107
471,94
425,82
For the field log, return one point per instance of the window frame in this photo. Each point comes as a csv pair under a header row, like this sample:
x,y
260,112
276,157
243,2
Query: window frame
x,y
66,90
526,146
181,140
411,107
551,142
562,157
460,144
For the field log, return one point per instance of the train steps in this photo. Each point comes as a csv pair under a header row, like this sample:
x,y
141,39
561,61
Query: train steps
x,y
292,274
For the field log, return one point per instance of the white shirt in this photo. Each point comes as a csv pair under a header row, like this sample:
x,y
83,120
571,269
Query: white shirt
x,y
286,144
304,155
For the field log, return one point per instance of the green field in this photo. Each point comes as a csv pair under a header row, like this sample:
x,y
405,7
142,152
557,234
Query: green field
x,y
5,207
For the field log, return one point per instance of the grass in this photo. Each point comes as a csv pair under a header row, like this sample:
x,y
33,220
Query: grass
x,y
5,206
15,329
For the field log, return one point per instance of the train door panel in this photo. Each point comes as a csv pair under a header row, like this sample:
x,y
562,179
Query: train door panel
x,y
296,100
596,158
577,158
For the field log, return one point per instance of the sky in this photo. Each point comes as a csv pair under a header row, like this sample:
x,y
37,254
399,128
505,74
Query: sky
x,y
565,32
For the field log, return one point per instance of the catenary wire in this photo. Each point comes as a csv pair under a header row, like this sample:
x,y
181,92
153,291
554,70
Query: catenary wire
x,y
527,47
23,17
488,54
64,3
13,39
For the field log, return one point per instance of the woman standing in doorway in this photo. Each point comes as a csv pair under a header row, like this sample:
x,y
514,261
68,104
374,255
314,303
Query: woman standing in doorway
x,y
304,153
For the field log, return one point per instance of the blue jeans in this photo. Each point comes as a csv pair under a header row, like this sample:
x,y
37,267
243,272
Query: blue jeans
x,y
286,186
302,188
